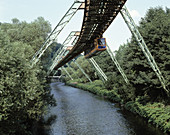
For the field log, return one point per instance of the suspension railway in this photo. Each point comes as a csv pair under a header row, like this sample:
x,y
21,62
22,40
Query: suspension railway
x,y
98,15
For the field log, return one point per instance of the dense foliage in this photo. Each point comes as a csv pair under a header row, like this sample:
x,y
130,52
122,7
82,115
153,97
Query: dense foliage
x,y
156,113
144,84
85,65
23,91
154,28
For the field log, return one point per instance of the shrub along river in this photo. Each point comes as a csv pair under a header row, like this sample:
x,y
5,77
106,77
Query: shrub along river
x,y
79,112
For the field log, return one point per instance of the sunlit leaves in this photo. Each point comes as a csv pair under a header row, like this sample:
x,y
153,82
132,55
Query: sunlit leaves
x,y
22,88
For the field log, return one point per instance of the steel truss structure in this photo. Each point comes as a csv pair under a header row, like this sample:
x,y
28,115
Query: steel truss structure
x,y
82,71
67,72
98,15
60,26
61,51
98,70
73,71
134,30
117,64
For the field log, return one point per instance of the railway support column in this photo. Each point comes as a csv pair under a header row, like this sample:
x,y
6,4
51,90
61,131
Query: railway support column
x,y
57,30
73,71
117,64
134,30
82,70
67,73
61,51
98,70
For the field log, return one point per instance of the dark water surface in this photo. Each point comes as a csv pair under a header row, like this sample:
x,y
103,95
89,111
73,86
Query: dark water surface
x,y
82,113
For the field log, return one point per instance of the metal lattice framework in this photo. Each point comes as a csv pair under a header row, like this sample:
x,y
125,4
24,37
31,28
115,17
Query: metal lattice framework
x,y
82,70
117,64
62,50
98,69
134,30
67,72
98,15
60,26
73,71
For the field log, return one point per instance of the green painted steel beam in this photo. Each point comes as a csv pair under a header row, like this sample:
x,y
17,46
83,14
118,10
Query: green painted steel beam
x,y
134,30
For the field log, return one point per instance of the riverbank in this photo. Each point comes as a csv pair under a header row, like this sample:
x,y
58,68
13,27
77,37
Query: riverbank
x,y
155,113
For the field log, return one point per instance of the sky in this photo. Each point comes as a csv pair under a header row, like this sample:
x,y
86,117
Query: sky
x,y
53,10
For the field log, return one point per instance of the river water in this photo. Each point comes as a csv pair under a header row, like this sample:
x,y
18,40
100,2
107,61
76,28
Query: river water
x,y
79,112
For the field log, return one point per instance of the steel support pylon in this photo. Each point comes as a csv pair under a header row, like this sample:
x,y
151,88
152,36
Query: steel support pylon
x,y
134,30
67,72
60,57
117,64
54,34
82,70
61,51
98,70
73,71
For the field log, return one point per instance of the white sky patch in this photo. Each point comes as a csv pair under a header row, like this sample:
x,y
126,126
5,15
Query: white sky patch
x,y
135,13
1,10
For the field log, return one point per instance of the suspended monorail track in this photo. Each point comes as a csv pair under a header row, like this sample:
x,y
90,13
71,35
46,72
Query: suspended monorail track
x,y
98,15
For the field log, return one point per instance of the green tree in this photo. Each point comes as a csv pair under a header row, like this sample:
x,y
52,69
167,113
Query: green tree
x,y
23,91
154,27
33,33
15,21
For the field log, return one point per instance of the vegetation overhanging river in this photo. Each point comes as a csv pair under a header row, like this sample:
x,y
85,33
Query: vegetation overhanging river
x,y
79,112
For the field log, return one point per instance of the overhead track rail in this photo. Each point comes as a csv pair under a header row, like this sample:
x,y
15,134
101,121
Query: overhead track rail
x,y
98,15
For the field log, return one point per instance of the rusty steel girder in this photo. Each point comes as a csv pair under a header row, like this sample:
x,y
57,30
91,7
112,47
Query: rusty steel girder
x,y
98,15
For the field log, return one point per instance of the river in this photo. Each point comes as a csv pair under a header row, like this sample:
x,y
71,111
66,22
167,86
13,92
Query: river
x,y
79,112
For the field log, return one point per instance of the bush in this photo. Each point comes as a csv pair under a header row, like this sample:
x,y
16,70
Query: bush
x,y
156,113
23,94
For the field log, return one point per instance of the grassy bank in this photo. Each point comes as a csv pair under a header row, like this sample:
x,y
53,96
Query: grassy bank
x,y
156,113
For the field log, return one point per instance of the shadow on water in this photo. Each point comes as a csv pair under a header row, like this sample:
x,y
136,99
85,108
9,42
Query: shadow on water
x,y
79,112
140,125
44,125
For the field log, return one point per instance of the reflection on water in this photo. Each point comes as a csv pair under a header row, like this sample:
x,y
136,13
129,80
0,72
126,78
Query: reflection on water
x,y
82,113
